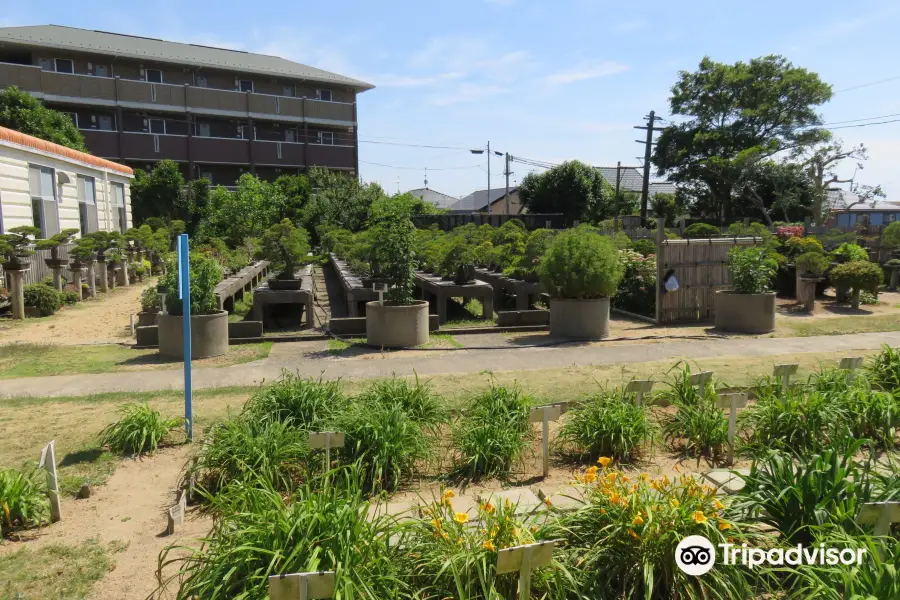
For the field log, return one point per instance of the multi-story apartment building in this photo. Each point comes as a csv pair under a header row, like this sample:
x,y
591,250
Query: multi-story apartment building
x,y
218,113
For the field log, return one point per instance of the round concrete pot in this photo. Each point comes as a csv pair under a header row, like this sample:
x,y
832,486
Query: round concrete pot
x,y
745,313
393,326
146,319
209,335
583,319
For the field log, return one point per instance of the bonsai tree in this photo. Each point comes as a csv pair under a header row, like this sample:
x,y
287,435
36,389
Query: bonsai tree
x,y
83,251
891,236
701,231
394,249
16,245
458,255
794,246
858,275
206,273
812,263
751,268
581,264
106,243
850,252
150,300
286,247
53,243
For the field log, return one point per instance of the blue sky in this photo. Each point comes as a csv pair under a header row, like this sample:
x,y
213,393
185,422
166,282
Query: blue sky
x,y
539,79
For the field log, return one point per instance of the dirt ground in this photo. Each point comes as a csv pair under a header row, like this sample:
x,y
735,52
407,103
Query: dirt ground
x,y
102,320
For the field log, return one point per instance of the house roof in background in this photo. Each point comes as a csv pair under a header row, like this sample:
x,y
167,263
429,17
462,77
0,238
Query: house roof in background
x,y
839,200
17,138
434,197
632,180
479,199
136,47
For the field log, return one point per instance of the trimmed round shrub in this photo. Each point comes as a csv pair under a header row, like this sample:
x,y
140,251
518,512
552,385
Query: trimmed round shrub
x,y
851,253
795,246
701,230
812,262
644,246
70,296
891,235
858,275
43,297
752,269
894,262
581,264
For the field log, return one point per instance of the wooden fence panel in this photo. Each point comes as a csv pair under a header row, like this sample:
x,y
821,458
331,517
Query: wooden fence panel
x,y
701,268
38,271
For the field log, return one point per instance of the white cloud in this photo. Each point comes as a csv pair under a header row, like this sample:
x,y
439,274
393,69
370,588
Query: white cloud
x,y
585,72
466,92
392,80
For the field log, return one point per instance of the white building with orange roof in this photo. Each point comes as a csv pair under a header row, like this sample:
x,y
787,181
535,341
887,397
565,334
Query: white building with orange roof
x,y
53,187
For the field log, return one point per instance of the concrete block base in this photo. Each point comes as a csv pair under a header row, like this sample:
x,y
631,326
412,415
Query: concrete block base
x,y
520,318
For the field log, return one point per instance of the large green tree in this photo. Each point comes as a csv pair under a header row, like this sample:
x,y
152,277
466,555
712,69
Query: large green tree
x,y
339,200
246,212
157,194
734,113
573,188
23,112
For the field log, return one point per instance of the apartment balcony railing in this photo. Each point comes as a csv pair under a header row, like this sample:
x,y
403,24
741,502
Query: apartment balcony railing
x,y
129,93
104,144
341,157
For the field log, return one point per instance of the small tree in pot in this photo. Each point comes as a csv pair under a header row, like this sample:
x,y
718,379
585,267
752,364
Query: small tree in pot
x,y
402,321
286,247
810,268
15,247
83,255
891,238
581,271
209,325
458,264
858,276
749,307
56,263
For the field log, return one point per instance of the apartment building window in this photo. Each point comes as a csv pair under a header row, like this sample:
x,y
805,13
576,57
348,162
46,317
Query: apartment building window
x,y
201,81
326,138
101,71
202,130
87,204
290,135
157,126
60,65
245,85
288,90
153,75
44,211
105,123
324,95
119,202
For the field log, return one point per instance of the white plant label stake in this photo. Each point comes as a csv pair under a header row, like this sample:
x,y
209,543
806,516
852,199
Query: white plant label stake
x,y
639,387
543,415
176,513
851,363
47,461
700,380
524,559
327,440
302,586
382,289
881,514
732,402
784,372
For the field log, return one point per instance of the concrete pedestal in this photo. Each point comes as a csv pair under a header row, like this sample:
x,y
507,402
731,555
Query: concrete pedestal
x,y
76,281
122,274
92,278
104,276
57,278
17,281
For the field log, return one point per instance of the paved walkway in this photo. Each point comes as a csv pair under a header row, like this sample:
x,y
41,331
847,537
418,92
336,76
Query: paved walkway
x,y
311,359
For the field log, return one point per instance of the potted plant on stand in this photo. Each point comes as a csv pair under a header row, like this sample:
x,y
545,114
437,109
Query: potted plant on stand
x,y
209,325
56,263
285,247
150,307
891,239
581,271
458,264
15,248
401,321
105,242
857,276
810,269
749,307
83,256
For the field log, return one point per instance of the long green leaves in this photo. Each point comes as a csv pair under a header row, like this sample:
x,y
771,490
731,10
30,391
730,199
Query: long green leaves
x,y
23,500
310,404
606,424
139,431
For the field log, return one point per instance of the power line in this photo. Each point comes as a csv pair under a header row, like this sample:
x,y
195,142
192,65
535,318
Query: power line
x,y
420,168
413,145
863,85
866,124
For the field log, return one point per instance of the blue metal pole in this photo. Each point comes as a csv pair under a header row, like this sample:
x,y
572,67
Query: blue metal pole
x,y
184,292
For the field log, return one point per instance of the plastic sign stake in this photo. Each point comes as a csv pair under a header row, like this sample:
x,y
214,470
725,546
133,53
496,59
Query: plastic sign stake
x,y
327,440
381,288
302,586
784,373
700,380
732,402
545,414
524,559
851,363
184,293
47,461
639,388
880,514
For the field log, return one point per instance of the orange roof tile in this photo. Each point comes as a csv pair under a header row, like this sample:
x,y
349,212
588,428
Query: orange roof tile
x,y
29,141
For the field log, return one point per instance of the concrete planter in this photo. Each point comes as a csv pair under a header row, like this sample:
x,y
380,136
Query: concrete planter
x,y
147,318
745,313
209,335
393,326
583,319
285,284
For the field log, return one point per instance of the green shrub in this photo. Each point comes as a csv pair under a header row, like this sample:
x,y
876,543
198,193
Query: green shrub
x,y
150,300
205,274
606,424
307,403
795,246
417,399
858,275
637,289
384,441
812,262
70,297
253,452
457,253
244,306
23,499
620,543
581,264
883,369
394,249
622,241
894,262
139,431
43,297
325,526
701,230
752,269
699,429
850,253
891,235
285,246
644,246
492,434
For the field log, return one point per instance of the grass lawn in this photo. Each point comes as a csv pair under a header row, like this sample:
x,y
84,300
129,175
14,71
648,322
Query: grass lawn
x,y
55,572
843,325
40,360
339,347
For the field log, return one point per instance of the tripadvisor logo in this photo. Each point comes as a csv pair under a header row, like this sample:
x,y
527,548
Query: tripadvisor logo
x,y
695,555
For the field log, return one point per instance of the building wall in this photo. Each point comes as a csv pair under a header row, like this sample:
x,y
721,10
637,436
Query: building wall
x,y
15,194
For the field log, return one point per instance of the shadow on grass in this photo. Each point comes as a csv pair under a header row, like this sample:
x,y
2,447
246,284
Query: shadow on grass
x,y
85,455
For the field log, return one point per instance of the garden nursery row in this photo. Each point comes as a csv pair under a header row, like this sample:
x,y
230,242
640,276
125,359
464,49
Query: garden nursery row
x,y
818,450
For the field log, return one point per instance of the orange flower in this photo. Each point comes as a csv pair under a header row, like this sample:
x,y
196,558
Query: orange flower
x,y
591,470
461,517
489,545
645,477
699,517
633,534
547,502
675,503
589,478
604,461
488,508
638,520
718,505
676,469
446,496
435,523
611,477
723,526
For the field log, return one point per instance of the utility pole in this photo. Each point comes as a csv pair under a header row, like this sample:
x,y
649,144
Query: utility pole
x,y
618,179
507,173
489,179
648,146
